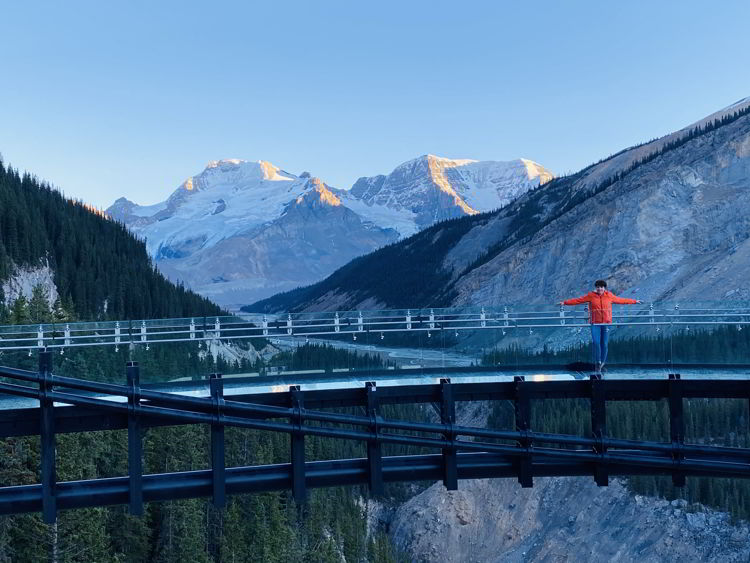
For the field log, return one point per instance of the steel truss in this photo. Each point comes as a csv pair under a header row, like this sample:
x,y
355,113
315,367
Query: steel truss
x,y
528,454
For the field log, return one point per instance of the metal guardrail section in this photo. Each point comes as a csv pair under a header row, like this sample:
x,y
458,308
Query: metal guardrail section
x,y
354,323
522,452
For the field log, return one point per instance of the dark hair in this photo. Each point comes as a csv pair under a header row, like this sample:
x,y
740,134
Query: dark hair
x,y
600,283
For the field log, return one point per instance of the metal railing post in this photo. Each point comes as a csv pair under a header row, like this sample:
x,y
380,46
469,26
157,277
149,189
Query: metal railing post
x,y
218,463
48,439
599,427
522,404
299,490
448,416
135,442
676,427
374,449
117,336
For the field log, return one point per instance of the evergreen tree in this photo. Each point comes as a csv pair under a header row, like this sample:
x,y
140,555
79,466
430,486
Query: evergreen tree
x,y
39,311
19,311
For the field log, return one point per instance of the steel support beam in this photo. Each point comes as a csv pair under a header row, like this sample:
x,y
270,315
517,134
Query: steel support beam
x,y
331,473
571,455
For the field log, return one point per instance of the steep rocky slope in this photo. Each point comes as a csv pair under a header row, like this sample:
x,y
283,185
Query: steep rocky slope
x,y
667,219
676,227
561,519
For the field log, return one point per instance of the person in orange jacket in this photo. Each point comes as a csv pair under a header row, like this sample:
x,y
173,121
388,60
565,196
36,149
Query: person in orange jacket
x,y
600,316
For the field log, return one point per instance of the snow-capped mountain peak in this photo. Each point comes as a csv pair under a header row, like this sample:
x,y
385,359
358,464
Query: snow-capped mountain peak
x,y
318,193
429,188
437,167
234,170
227,197
240,230
226,162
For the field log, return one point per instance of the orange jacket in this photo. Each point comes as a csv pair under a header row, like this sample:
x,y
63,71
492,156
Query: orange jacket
x,y
600,306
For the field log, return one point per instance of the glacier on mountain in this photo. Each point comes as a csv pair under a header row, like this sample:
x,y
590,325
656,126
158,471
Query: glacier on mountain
x,y
431,188
213,232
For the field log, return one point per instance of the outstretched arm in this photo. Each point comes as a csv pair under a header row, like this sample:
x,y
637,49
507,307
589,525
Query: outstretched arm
x,y
576,300
624,300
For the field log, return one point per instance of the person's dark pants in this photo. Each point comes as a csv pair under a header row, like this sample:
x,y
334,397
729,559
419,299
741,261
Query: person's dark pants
x,y
600,340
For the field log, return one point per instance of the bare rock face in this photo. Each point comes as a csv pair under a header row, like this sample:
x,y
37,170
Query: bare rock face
x,y
677,227
560,519
23,280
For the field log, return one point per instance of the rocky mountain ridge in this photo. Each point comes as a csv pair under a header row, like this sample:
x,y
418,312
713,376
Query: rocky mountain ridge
x,y
664,220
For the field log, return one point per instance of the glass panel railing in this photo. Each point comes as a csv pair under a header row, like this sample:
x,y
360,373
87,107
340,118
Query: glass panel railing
x,y
644,340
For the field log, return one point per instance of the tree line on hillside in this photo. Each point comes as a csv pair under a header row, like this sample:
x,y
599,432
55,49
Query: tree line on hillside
x,y
327,357
101,270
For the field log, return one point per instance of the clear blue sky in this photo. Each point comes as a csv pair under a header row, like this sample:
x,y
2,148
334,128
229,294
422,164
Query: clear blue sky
x,y
109,99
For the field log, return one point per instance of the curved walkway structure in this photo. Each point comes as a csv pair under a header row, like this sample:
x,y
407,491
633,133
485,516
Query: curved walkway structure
x,y
298,409
657,317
